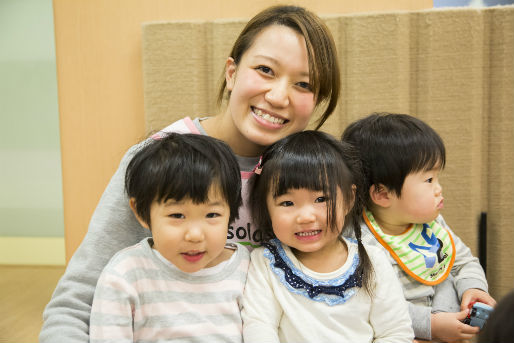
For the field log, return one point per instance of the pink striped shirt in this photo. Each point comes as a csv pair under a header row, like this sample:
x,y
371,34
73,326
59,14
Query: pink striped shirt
x,y
140,297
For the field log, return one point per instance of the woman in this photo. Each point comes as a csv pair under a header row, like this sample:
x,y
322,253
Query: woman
x,y
281,68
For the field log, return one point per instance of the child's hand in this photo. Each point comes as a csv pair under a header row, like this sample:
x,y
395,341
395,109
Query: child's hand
x,y
448,327
472,295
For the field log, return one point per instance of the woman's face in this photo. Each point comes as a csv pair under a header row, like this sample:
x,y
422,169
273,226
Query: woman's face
x,y
271,95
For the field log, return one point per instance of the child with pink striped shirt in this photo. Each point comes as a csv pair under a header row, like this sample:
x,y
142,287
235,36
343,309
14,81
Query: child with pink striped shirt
x,y
184,283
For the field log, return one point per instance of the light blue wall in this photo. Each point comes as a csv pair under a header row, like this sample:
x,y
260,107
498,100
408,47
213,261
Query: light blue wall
x,y
30,162
458,3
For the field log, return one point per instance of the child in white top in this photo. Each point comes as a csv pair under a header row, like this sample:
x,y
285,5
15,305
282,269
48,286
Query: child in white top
x,y
402,157
306,283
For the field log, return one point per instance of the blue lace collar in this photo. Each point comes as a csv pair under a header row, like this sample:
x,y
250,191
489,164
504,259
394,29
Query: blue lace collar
x,y
332,292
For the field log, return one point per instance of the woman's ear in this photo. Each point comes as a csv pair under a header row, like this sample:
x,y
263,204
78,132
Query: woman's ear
x,y
132,203
380,195
230,73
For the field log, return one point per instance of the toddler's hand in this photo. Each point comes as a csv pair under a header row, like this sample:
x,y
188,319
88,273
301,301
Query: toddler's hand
x,y
448,327
472,295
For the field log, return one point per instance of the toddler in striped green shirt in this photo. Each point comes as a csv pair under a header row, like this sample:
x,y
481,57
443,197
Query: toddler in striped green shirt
x,y
402,157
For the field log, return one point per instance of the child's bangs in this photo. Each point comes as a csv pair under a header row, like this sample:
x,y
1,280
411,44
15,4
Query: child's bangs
x,y
178,184
298,172
430,156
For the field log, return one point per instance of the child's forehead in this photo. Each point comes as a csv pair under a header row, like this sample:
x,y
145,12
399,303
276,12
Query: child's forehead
x,y
325,190
437,167
214,195
302,189
430,166
424,172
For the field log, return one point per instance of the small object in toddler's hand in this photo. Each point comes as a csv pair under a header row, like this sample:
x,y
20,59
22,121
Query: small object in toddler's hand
x,y
478,314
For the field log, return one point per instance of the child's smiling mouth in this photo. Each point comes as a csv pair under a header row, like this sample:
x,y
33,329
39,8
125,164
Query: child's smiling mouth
x,y
308,234
193,256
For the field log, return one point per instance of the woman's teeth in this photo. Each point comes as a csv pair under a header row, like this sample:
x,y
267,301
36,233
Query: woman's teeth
x,y
267,117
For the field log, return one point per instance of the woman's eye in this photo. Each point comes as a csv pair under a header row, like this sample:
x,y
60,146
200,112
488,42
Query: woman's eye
x,y
305,85
286,203
321,199
265,70
213,215
177,215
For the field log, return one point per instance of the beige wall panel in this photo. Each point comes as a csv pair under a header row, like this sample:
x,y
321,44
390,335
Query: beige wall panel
x,y
100,82
374,55
453,69
500,176
187,72
449,93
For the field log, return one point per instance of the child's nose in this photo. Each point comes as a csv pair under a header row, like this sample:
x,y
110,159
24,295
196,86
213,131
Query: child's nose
x,y
305,215
438,189
194,234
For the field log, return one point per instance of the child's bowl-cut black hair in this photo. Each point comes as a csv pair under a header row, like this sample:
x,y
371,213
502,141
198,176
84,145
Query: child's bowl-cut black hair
x,y
177,166
392,146
316,161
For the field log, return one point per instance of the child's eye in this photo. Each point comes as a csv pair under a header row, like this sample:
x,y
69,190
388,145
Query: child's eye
x,y
321,199
286,203
265,70
429,180
304,85
213,215
177,215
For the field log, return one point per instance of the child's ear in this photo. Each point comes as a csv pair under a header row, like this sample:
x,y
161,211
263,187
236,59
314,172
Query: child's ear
x,y
348,208
354,192
132,203
380,195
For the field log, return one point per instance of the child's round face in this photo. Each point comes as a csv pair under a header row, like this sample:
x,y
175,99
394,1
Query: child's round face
x,y
270,92
191,236
299,220
421,199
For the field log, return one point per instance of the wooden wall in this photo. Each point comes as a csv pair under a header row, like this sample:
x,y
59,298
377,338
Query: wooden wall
x,y
452,68
100,83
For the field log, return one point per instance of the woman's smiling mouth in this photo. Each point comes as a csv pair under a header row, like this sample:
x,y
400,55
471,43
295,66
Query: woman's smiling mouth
x,y
267,117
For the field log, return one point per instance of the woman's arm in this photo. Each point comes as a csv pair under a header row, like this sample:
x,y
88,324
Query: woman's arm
x,y
112,228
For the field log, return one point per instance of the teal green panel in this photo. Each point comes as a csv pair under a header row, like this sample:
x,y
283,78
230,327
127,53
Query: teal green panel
x,y
31,222
28,104
26,30
30,166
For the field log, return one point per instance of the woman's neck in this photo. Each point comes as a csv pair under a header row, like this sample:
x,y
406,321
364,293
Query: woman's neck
x,y
222,127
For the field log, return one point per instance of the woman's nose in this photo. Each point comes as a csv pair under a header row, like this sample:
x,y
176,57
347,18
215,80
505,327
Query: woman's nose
x,y
278,95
